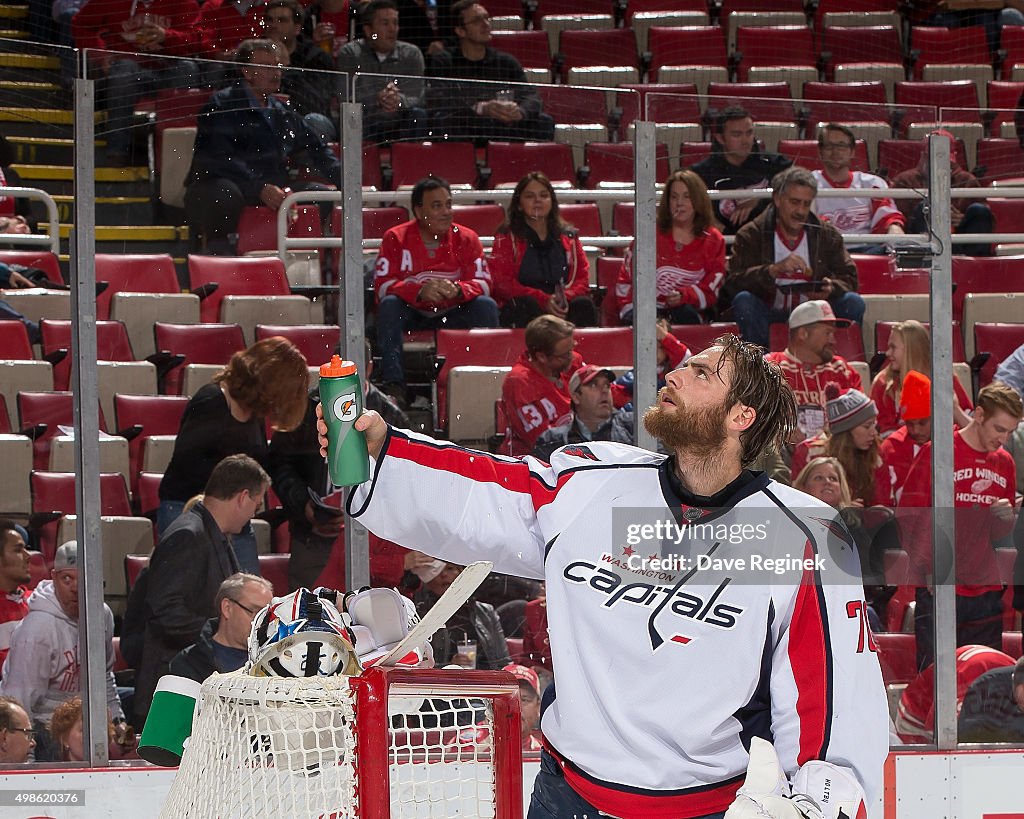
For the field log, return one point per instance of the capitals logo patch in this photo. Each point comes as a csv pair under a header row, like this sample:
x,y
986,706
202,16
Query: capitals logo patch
x,y
577,451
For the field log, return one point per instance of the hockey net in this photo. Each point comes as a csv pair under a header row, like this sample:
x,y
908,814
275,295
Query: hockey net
x,y
390,743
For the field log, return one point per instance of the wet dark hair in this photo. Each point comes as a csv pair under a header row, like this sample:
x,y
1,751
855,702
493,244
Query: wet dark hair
x,y
760,385
428,183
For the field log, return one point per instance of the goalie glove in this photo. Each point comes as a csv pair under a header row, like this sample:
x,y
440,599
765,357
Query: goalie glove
x,y
820,790
380,620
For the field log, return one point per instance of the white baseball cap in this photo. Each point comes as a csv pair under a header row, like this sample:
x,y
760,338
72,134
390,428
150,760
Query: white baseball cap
x,y
813,312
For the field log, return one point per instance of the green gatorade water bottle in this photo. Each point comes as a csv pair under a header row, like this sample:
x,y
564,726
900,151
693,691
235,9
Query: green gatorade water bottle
x,y
341,395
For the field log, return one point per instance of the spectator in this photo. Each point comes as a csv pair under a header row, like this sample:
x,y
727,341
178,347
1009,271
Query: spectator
x,y
910,348
246,137
852,438
867,215
824,478
223,642
327,25
392,96
1011,370
308,90
537,261
17,738
966,215
690,264
66,729
15,213
430,273
670,352
42,669
535,394
497,103
785,257
593,417
475,621
268,382
915,715
810,363
223,26
736,163
900,449
993,708
984,481
536,640
192,559
154,30
14,574
295,465
427,24
11,279
529,705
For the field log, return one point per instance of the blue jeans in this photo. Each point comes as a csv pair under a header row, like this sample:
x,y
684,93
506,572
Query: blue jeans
x,y
753,315
395,316
552,797
127,83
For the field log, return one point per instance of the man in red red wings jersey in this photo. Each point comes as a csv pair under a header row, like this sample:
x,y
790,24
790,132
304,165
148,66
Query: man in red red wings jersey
x,y
810,362
984,493
430,273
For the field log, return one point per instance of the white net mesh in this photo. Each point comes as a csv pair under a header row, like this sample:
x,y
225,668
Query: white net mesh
x,y
275,747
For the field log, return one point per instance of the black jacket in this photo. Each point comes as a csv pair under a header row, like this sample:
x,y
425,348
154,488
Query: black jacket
x,y
989,713
196,661
756,171
188,565
475,620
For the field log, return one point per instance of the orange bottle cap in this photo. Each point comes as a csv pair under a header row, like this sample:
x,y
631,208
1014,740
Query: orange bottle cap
x,y
337,368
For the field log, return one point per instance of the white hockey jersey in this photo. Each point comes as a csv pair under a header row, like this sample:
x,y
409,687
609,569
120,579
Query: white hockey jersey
x,y
662,674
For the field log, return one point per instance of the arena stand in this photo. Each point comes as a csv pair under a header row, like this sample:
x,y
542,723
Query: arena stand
x,y
889,80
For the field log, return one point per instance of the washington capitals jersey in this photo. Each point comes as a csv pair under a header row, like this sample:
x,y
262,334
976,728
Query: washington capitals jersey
x,y
677,632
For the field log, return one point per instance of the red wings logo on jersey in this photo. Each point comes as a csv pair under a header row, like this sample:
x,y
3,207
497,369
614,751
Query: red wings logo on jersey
x,y
577,451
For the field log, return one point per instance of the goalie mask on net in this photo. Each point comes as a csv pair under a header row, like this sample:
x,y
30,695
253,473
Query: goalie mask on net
x,y
301,635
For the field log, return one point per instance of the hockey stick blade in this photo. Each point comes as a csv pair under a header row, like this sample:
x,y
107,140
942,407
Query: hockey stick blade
x,y
450,602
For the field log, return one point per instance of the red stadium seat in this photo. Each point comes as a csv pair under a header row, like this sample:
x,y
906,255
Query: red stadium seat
x,y
112,344
14,343
133,273
199,344
690,153
773,46
921,101
605,346
510,161
608,269
584,216
657,102
530,48
5,418
948,46
635,6
1012,644
622,218
40,259
845,102
582,47
897,656
141,416
376,221
831,6
234,276
148,500
47,410
317,342
372,177
274,568
1003,97
491,348
994,274
766,101
484,219
55,492
877,45
729,6
699,337
804,152
453,161
257,227
175,108
998,340
687,45
613,162
1009,214
896,155
999,159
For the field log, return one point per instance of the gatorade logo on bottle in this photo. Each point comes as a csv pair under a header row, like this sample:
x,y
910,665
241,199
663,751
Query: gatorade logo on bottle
x,y
345,407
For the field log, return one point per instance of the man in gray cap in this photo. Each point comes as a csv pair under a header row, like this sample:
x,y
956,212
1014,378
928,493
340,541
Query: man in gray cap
x,y
42,669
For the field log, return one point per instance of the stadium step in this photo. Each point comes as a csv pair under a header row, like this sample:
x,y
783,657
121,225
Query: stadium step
x,y
37,150
13,12
17,93
59,179
110,210
13,34
31,61
133,239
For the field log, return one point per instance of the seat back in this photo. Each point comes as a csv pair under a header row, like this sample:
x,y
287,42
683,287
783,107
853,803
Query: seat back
x,y
766,101
998,340
199,343
687,45
989,308
896,155
44,260
51,410
863,44
484,219
584,47
774,46
845,102
135,273
453,161
584,216
490,348
133,566
613,162
55,492
14,343
112,344
235,276
804,152
376,221
605,346
965,45
317,342
699,337
530,48
153,415
257,227
999,159
148,500
510,161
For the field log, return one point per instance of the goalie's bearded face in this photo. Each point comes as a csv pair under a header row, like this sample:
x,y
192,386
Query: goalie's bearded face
x,y
691,411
